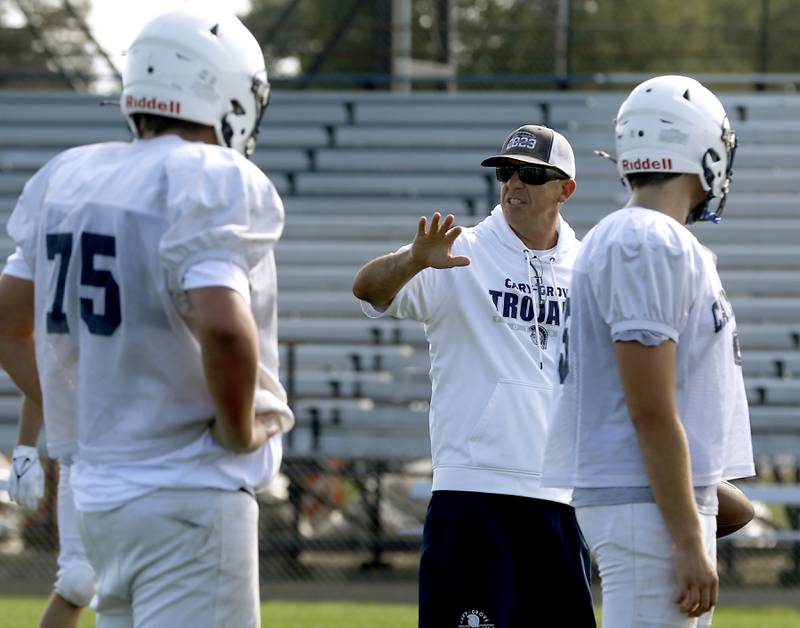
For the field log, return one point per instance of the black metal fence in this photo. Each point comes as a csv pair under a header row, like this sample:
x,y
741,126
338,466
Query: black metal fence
x,y
335,520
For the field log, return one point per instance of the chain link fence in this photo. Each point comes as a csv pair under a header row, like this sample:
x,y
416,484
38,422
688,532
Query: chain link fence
x,y
336,520
324,520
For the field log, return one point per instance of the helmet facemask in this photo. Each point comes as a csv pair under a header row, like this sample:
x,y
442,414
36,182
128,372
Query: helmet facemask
x,y
716,189
235,124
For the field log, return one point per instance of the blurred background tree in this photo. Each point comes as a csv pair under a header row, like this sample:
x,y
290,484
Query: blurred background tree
x,y
520,37
493,43
47,43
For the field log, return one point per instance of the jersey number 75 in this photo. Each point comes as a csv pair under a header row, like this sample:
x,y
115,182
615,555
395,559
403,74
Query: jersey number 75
x,y
91,245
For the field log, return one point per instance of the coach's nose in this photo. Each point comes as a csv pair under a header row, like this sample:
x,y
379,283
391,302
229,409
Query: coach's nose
x,y
515,181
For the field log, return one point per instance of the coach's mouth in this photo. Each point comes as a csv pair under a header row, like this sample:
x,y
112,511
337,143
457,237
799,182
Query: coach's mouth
x,y
514,200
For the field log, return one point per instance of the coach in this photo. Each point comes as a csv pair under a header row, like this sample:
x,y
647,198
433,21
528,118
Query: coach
x,y
498,550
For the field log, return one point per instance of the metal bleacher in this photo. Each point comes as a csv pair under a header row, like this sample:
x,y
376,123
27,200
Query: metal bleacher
x,y
356,170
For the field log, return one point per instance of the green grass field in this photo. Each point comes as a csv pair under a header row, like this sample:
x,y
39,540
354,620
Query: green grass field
x,y
22,612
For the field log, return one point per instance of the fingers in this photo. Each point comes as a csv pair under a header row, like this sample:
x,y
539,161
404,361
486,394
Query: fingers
x,y
437,225
704,602
451,235
262,432
434,240
421,226
707,598
448,222
694,600
269,422
687,599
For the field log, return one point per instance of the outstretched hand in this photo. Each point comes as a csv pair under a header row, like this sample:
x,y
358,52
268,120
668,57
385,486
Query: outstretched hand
x,y
432,245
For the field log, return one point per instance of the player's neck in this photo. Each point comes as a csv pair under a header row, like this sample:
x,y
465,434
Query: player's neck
x,y
675,198
205,134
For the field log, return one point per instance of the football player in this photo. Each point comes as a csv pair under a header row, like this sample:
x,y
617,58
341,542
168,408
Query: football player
x,y
74,585
653,412
153,301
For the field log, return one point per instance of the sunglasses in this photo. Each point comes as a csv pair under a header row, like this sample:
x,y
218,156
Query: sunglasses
x,y
532,175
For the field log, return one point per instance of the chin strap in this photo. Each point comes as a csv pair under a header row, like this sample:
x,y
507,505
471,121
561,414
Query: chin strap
x,y
702,213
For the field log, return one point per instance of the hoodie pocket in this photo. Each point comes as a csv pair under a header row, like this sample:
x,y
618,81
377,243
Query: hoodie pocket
x,y
510,434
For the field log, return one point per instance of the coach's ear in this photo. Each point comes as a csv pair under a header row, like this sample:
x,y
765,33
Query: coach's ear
x,y
567,190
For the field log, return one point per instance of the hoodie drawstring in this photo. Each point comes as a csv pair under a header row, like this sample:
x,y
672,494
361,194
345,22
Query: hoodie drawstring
x,y
529,259
535,283
555,291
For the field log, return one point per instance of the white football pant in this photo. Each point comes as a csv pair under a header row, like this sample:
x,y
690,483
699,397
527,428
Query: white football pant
x,y
633,551
176,558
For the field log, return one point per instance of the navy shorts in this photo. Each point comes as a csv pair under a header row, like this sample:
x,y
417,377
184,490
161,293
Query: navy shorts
x,y
501,561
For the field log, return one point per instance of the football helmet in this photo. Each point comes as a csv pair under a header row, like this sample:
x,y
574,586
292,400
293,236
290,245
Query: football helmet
x,y
200,67
674,124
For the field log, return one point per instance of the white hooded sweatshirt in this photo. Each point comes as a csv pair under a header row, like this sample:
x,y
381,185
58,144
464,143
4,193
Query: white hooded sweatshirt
x,y
493,373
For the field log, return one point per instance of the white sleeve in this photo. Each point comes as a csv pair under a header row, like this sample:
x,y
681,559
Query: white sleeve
x,y
214,273
419,299
16,266
225,211
644,282
22,224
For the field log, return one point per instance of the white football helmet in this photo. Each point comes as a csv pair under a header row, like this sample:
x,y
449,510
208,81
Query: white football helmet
x,y
674,124
201,67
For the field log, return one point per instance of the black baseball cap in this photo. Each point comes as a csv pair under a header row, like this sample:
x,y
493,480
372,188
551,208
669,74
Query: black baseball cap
x,y
538,145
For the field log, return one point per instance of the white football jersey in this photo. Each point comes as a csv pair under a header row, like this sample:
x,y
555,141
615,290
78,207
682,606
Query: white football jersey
x,y
109,232
641,271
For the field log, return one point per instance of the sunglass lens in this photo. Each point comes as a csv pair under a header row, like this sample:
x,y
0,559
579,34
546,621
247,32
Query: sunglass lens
x,y
532,175
504,173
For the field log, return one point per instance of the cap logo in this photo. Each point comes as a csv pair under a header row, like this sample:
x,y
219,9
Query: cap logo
x,y
525,141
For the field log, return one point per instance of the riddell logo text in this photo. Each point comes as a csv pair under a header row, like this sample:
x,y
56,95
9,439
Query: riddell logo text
x,y
153,104
647,164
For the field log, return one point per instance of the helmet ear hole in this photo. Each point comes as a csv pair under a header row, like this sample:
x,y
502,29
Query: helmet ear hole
x,y
710,158
227,131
